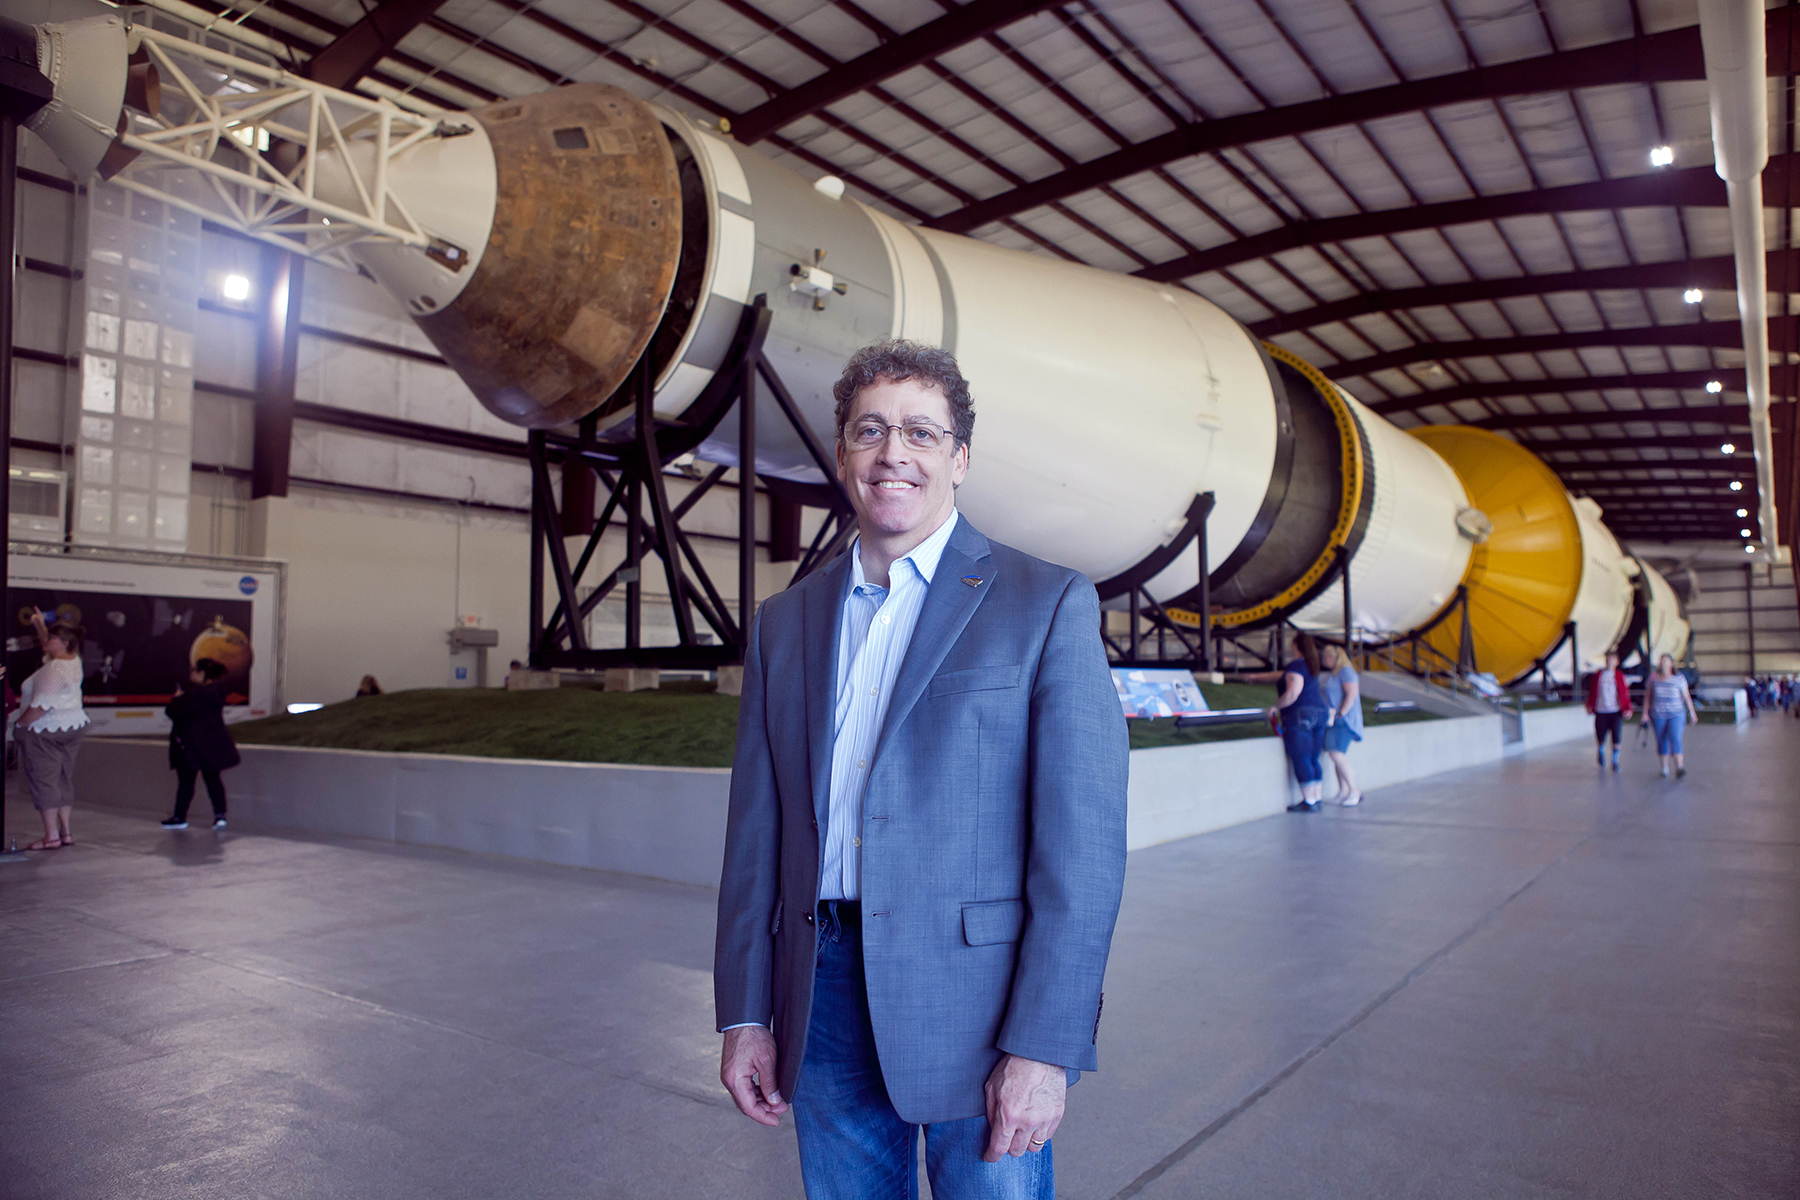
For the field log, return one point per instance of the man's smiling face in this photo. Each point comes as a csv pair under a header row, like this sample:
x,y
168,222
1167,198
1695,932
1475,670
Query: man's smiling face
x,y
899,488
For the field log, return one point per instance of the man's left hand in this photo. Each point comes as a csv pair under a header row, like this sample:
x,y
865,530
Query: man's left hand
x,y
1024,1106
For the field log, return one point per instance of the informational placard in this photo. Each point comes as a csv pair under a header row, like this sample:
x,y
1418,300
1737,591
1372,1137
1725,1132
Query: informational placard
x,y
146,619
1158,692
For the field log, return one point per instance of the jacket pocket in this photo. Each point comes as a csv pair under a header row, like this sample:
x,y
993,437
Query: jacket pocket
x,y
993,921
975,679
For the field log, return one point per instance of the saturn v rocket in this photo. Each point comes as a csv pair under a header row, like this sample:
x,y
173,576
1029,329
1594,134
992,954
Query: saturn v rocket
x,y
580,231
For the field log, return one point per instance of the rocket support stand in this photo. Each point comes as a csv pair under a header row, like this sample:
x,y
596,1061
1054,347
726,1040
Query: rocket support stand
x,y
1200,654
629,459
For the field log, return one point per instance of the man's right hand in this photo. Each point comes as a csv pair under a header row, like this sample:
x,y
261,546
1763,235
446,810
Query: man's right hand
x,y
747,1069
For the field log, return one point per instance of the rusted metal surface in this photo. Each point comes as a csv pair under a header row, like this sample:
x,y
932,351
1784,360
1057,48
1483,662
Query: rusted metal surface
x,y
580,261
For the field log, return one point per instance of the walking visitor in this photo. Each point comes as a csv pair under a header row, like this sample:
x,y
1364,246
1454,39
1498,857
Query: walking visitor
x,y
1609,699
1669,708
199,742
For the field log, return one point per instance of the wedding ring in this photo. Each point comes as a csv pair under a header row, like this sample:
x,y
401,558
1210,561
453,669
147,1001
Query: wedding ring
x,y
1038,1141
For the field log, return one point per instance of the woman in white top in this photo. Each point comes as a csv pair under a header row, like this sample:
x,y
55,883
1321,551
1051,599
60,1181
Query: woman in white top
x,y
50,727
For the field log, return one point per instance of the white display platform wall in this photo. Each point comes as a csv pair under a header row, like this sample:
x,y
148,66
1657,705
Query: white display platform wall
x,y
669,822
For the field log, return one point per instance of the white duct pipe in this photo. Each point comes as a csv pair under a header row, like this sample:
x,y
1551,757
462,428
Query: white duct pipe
x,y
1731,33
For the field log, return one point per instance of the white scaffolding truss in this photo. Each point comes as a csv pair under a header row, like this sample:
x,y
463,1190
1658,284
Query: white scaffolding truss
x,y
233,139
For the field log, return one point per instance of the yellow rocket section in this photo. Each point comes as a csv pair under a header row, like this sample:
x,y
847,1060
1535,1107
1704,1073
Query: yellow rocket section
x,y
1523,580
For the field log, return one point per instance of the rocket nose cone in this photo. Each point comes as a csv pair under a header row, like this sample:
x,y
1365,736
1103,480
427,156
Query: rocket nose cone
x,y
580,260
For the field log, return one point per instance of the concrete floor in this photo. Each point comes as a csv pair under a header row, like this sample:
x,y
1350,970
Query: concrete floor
x,y
1523,980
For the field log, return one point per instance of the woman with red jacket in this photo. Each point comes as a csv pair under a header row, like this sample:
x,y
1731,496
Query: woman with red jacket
x,y
1609,699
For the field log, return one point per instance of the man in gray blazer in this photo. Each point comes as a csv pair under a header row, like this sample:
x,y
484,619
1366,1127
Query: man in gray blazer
x,y
927,835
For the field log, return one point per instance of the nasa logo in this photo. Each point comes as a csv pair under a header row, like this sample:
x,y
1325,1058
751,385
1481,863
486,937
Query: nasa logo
x,y
247,585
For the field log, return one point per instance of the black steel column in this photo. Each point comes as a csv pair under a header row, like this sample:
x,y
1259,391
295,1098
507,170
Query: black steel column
x,y
23,90
1574,662
1465,651
1132,641
534,444
634,567
668,546
9,187
1207,655
1343,557
1750,610
277,360
747,504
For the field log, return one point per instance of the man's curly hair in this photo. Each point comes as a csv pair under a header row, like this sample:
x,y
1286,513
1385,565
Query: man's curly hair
x,y
898,361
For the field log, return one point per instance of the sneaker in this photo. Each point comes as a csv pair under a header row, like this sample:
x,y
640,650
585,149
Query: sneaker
x,y
1665,772
1599,758
172,823
1352,800
1681,772
1615,764
218,822
1304,806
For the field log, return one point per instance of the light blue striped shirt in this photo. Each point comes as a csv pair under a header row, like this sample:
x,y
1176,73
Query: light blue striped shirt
x,y
873,636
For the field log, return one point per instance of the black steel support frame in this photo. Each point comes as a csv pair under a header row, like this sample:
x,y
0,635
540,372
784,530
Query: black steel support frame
x,y
1199,653
1541,667
629,460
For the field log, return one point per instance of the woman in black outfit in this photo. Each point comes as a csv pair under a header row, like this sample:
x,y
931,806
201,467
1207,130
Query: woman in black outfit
x,y
199,743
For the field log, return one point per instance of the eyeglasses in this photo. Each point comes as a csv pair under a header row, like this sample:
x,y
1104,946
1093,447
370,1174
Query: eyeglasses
x,y
869,433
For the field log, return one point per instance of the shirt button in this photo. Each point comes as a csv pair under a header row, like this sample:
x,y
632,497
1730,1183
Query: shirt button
x,y
856,841
862,764
874,691
884,618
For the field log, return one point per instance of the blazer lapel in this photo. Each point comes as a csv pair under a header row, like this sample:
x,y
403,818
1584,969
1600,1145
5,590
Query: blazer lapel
x,y
948,606
824,613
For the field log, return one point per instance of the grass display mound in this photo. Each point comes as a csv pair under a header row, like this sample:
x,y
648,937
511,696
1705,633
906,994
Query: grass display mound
x,y
681,725
1148,734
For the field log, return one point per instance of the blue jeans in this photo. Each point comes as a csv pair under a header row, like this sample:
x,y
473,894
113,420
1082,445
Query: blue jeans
x,y
1303,737
1668,733
853,1145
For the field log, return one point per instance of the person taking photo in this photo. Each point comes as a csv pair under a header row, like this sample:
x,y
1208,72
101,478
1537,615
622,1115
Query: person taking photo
x,y
50,727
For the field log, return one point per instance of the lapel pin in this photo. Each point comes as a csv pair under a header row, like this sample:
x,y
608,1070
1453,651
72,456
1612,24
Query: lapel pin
x,y
972,580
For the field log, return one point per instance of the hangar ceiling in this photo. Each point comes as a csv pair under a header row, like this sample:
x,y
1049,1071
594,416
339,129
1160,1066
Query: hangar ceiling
x,y
1450,206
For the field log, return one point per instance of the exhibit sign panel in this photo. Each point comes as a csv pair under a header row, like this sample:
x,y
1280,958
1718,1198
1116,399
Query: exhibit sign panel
x,y
1158,692
146,619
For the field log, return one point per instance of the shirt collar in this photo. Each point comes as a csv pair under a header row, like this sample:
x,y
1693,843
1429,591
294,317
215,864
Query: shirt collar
x,y
924,557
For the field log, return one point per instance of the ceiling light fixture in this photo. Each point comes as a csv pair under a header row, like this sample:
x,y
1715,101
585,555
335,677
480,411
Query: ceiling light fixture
x,y
1728,448
1736,486
1714,386
1743,533
1743,512
1749,549
1693,295
1662,156
235,287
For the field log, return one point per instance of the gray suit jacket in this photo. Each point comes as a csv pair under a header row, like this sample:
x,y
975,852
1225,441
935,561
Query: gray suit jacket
x,y
993,835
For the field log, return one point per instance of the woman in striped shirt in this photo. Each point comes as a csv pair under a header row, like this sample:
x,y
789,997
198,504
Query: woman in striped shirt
x,y
1668,707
